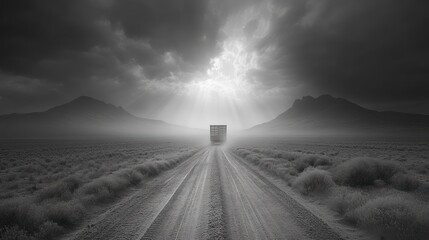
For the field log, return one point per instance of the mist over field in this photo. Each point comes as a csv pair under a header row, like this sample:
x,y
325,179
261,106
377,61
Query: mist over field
x,y
202,119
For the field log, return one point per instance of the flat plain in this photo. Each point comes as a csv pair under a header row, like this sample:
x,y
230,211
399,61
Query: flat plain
x,y
253,188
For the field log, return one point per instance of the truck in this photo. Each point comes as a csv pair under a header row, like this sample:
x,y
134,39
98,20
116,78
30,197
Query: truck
x,y
217,134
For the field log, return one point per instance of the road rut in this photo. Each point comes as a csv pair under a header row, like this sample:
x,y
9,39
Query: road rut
x,y
212,195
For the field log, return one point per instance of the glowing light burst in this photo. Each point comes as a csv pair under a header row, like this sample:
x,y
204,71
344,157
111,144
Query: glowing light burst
x,y
226,75
223,94
223,90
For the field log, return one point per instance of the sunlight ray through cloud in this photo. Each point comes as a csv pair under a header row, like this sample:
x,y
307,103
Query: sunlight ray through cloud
x,y
224,94
231,89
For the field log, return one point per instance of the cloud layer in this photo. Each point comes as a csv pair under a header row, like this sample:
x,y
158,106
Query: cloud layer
x,y
136,53
372,51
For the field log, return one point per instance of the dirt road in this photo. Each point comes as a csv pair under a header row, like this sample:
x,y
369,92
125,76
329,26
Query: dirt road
x,y
212,195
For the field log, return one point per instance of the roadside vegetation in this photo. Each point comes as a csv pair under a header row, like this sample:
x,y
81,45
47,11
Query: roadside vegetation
x,y
43,206
376,194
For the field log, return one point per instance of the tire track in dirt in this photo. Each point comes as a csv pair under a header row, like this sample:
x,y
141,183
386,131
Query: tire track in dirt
x,y
252,214
315,227
181,217
196,211
213,195
128,218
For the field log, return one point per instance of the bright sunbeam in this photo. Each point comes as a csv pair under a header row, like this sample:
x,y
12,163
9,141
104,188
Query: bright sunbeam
x,y
226,75
224,89
224,93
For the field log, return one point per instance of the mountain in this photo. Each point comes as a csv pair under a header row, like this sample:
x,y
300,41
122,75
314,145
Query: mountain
x,y
327,115
84,116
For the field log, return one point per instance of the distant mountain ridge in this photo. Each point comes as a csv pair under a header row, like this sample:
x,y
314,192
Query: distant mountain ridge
x,y
87,108
330,115
83,116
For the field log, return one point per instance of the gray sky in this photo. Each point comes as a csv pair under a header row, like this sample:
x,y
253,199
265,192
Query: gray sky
x,y
196,62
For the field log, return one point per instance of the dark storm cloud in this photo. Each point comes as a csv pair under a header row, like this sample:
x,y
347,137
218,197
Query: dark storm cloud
x,y
36,30
374,52
369,50
184,26
83,46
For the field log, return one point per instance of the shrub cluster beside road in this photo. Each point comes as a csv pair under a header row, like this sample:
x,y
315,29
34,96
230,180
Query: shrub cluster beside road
x,y
51,210
371,193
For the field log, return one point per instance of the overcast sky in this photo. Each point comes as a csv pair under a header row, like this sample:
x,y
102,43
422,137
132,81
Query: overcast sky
x,y
196,62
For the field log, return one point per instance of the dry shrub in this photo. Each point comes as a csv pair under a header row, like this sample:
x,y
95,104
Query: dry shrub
x,y
282,170
346,201
285,174
254,158
405,182
393,217
65,214
300,165
49,230
60,191
249,155
103,188
148,169
107,187
22,213
278,166
154,168
26,220
322,161
59,207
293,172
288,156
242,152
15,233
283,164
311,160
268,163
313,181
363,171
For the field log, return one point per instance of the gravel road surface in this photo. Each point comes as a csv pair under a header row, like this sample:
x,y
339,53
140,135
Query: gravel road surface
x,y
212,195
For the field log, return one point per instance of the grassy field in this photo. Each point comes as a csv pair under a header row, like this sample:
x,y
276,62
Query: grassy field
x,y
379,185
48,186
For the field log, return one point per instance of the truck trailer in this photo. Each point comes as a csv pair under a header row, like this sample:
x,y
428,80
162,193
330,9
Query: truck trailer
x,y
217,134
